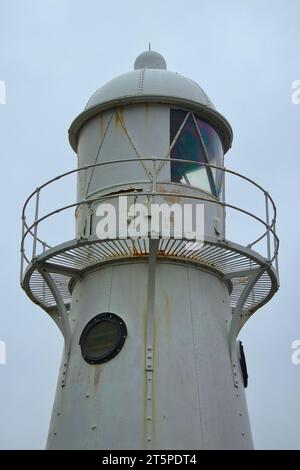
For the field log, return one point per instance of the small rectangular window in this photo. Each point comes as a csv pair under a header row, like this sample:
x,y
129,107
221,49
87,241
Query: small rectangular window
x,y
195,141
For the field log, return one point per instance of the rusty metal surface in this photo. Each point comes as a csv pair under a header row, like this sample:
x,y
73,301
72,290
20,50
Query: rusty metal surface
x,y
188,370
176,383
84,255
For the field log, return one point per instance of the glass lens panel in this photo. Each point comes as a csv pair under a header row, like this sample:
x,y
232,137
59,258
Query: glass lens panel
x,y
214,150
188,147
101,339
177,118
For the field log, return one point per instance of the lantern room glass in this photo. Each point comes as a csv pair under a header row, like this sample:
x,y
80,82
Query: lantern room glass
x,y
194,140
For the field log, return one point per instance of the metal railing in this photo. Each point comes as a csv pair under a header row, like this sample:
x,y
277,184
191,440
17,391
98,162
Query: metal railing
x,y
30,229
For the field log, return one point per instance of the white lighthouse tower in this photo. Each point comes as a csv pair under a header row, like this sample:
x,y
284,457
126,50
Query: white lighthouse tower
x,y
150,323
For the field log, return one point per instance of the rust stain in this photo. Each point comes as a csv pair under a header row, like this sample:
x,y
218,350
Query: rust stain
x,y
172,199
121,114
117,121
162,253
101,126
146,111
97,370
135,252
167,313
167,306
163,189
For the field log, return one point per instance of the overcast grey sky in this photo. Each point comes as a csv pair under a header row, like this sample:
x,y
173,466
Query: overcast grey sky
x,y
53,55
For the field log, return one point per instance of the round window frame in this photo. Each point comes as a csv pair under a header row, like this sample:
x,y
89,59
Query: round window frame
x,y
118,344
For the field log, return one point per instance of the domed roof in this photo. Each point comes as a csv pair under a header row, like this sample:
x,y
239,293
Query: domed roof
x,y
150,78
150,60
151,82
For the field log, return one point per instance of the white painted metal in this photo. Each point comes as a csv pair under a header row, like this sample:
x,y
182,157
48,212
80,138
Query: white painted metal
x,y
150,60
150,85
176,384
194,401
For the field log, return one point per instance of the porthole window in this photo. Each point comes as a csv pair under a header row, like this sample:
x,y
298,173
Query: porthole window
x,y
102,338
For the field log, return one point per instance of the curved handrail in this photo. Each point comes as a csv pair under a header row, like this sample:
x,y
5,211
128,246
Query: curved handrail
x,y
32,229
151,193
126,160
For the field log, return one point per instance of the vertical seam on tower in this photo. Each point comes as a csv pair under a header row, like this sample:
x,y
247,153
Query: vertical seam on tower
x,y
196,369
149,350
110,288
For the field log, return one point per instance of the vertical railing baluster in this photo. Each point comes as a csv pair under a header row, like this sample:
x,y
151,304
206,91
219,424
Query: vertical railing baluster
x,y
44,282
36,216
224,202
154,180
22,250
268,225
276,251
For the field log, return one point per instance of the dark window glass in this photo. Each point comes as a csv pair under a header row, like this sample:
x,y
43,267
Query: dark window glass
x,y
199,142
243,365
178,117
102,338
214,150
188,146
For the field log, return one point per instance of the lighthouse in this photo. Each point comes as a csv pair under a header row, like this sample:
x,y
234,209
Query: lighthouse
x,y
150,313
